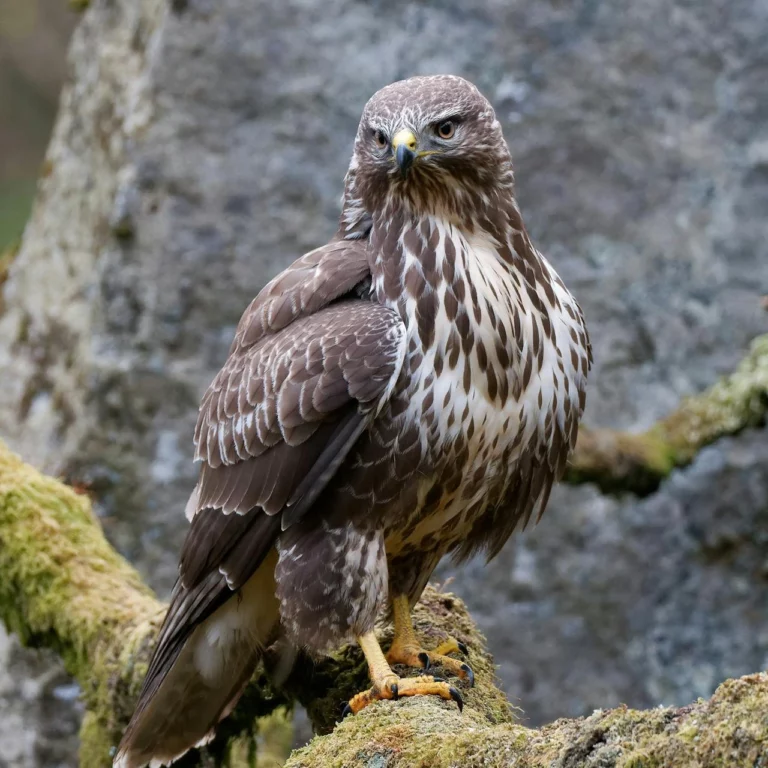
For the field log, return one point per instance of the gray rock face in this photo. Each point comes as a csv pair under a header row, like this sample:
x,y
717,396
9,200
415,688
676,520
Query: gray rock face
x,y
201,147
39,709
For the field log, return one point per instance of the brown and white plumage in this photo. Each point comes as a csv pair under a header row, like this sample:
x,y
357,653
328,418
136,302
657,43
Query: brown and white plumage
x,y
409,390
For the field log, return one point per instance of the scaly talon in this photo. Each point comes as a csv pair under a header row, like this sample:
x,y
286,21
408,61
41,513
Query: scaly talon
x,y
387,685
425,685
406,649
414,656
451,645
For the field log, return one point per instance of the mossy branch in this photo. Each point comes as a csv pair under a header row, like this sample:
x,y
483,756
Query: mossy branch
x,y
730,729
62,586
622,461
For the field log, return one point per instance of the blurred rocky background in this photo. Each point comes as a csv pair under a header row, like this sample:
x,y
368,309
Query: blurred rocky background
x,y
200,146
33,41
39,713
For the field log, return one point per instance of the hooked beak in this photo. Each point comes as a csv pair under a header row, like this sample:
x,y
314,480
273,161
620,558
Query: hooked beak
x,y
404,144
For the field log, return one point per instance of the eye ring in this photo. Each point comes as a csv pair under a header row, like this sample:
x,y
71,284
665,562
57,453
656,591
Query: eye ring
x,y
379,138
446,129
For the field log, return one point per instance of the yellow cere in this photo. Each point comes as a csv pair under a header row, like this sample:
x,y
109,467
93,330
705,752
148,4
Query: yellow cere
x,y
404,137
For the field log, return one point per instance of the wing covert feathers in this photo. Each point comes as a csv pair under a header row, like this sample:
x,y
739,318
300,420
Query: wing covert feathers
x,y
311,362
281,389
312,282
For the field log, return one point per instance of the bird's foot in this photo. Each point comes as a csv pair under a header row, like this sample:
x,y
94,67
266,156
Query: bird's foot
x,y
413,655
393,687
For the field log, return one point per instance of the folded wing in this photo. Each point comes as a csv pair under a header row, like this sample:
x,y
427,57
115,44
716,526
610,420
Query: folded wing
x,y
312,360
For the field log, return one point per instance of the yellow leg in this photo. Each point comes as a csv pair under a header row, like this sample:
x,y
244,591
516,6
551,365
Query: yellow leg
x,y
406,648
387,685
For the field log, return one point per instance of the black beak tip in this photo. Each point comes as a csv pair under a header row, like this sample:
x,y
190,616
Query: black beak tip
x,y
404,157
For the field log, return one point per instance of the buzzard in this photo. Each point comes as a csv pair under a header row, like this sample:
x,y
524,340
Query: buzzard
x,y
411,389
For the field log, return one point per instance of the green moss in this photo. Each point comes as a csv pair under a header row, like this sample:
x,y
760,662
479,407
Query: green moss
x,y
55,555
730,730
639,760
689,733
96,742
275,739
620,461
63,587
423,731
414,733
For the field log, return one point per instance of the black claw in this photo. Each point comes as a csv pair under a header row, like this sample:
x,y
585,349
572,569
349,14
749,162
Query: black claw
x,y
395,691
437,679
346,711
463,648
424,659
467,670
456,696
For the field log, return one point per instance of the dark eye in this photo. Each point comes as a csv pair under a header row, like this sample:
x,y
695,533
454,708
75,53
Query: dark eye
x,y
380,139
446,129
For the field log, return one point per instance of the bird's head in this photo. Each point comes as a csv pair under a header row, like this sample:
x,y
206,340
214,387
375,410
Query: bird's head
x,y
431,142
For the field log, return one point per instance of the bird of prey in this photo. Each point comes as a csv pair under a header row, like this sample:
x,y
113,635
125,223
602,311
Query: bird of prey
x,y
409,390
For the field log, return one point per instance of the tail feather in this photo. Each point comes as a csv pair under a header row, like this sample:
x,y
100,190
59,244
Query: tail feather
x,y
205,677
